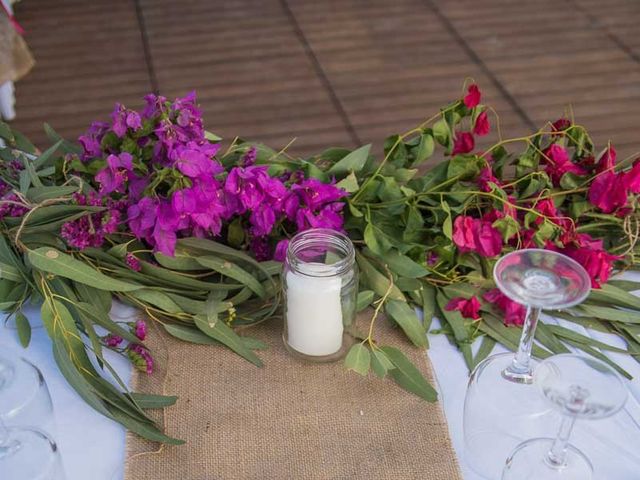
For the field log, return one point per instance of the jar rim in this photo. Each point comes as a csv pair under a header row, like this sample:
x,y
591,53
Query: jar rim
x,y
320,237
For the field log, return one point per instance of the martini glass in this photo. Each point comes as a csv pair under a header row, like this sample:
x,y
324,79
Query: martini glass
x,y
501,406
578,387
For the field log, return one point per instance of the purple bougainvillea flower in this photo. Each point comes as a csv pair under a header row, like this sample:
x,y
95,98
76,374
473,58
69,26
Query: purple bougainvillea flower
x,y
140,329
194,161
260,248
262,219
90,141
281,250
142,217
609,191
122,119
468,308
112,341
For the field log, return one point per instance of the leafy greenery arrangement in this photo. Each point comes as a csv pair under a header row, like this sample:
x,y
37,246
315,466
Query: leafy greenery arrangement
x,y
147,209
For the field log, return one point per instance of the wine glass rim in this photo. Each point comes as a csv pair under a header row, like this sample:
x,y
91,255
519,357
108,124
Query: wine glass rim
x,y
579,268
604,365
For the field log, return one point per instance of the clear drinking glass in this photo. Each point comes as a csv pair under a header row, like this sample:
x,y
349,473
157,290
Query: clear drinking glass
x,y
578,387
320,285
501,407
28,454
24,396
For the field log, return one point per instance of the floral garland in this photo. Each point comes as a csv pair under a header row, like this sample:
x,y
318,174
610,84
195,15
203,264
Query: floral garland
x,y
150,208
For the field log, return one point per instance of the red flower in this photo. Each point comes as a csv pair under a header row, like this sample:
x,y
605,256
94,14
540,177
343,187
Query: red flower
x,y
468,308
607,160
632,177
475,235
463,143
514,313
482,125
558,163
472,98
485,177
609,191
560,124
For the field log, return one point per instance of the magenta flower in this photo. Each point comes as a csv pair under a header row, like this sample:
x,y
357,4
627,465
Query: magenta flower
x,y
195,161
472,98
475,235
249,158
463,143
142,217
559,163
609,191
140,357
468,308
590,253
133,263
514,313
281,250
607,160
560,124
118,170
485,178
260,248
482,125
112,341
140,329
123,119
90,141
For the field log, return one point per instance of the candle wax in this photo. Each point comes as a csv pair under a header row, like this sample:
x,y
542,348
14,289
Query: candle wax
x,y
314,312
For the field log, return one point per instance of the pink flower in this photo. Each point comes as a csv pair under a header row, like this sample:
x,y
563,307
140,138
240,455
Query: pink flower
x,y
482,125
559,163
140,329
463,143
632,177
132,262
472,234
472,98
468,308
514,313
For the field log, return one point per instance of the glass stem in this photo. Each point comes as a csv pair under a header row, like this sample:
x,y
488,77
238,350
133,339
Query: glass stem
x,y
520,368
557,455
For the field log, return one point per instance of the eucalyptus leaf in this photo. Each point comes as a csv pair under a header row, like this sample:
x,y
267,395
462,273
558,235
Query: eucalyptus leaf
x,y
406,317
408,376
358,359
353,162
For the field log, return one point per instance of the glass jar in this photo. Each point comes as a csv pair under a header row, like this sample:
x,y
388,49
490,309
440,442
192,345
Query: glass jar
x,y
320,285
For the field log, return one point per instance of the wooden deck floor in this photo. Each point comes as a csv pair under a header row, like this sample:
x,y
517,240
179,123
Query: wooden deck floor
x,y
332,72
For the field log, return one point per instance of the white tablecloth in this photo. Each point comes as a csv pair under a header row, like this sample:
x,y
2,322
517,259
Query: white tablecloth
x,y
93,447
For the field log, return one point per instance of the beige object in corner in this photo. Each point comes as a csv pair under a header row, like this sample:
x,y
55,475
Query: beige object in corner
x,y
15,57
288,420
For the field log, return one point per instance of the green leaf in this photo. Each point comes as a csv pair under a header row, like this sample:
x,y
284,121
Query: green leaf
x,y
190,334
376,280
485,349
442,132
146,400
46,155
358,359
380,363
425,148
375,240
353,162
53,261
406,317
349,183
224,334
579,338
233,271
610,294
24,329
408,376
403,265
156,299
428,294
150,432
39,194
606,313
365,297
101,317
212,137
447,225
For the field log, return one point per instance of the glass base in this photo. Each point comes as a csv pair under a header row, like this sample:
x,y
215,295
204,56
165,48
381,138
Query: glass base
x,y
499,414
347,342
529,462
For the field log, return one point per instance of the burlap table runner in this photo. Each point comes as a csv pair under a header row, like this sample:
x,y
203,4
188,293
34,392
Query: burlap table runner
x,y
289,419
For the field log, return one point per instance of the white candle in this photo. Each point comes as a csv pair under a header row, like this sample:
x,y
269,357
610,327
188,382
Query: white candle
x,y
314,312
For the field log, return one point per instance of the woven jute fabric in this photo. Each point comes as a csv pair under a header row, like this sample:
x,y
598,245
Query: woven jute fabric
x,y
15,58
289,419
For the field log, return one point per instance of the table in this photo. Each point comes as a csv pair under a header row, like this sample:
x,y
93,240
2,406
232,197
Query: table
x,y
93,447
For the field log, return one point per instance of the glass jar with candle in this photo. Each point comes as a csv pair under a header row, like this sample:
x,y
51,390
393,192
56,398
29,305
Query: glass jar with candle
x,y
320,284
